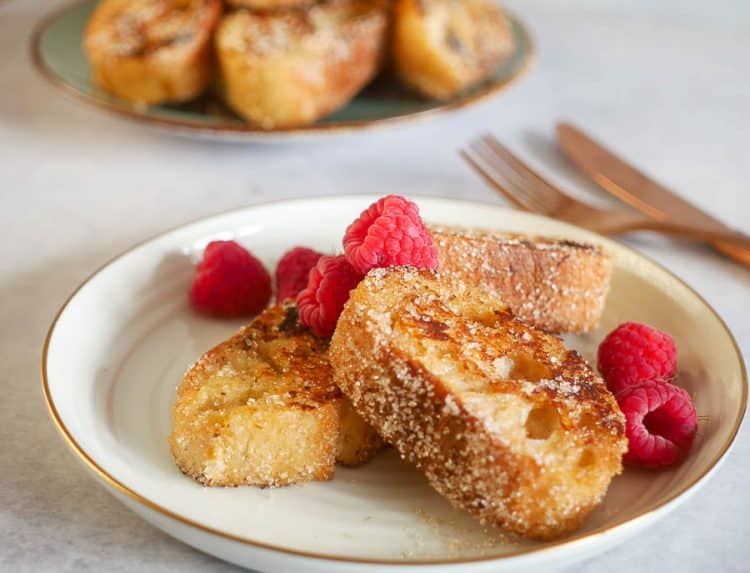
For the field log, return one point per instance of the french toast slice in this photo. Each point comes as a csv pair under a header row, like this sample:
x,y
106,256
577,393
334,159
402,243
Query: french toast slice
x,y
289,68
443,47
505,421
261,408
152,51
268,5
556,285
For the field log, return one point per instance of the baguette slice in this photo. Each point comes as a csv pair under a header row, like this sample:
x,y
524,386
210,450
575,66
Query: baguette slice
x,y
443,47
261,409
268,5
290,68
553,284
504,421
152,51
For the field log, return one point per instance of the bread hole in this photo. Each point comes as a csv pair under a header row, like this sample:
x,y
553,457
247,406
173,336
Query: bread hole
x,y
482,317
588,458
541,422
454,42
526,368
482,312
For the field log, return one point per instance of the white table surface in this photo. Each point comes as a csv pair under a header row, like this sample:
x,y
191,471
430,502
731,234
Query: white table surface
x,y
666,83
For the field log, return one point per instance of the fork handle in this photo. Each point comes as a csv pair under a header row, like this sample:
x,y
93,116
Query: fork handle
x,y
738,254
729,242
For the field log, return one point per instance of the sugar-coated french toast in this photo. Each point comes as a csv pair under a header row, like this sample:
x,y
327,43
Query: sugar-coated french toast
x,y
261,408
505,421
556,285
289,68
443,47
268,4
152,51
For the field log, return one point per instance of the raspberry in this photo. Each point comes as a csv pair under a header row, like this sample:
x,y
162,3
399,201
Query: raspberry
x,y
230,281
660,423
633,353
388,233
320,303
293,270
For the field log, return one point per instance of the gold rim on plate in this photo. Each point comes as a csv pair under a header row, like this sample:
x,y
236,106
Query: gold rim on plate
x,y
239,129
547,546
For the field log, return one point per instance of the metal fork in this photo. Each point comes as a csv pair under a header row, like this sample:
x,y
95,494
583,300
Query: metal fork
x,y
529,191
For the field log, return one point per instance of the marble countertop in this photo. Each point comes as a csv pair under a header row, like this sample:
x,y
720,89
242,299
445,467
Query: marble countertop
x,y
667,84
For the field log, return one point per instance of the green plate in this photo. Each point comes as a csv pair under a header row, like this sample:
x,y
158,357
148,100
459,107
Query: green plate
x,y
59,56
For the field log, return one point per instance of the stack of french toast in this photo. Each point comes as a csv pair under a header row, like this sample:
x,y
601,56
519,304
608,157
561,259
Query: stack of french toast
x,y
459,369
288,63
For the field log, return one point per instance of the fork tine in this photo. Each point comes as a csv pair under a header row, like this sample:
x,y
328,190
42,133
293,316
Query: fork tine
x,y
488,161
532,180
507,178
472,157
516,184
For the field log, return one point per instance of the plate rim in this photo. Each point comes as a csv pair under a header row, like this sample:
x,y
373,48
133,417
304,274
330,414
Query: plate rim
x,y
569,542
247,132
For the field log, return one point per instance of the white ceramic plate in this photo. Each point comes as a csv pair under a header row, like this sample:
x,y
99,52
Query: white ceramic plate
x,y
121,343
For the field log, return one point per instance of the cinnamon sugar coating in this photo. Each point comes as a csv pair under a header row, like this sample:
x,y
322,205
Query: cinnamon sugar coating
x,y
556,285
261,408
504,421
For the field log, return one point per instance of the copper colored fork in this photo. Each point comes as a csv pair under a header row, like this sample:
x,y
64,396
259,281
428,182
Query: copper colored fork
x,y
529,191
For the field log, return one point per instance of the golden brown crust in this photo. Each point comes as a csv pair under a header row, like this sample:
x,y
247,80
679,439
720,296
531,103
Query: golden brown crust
x,y
262,5
505,421
290,68
261,408
152,51
358,441
442,47
553,284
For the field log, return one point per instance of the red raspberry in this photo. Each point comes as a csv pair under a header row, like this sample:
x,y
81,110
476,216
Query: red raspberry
x,y
388,233
230,281
320,303
660,423
633,353
293,270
